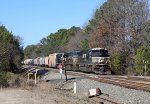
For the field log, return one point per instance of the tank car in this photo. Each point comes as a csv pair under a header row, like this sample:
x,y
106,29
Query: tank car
x,y
28,62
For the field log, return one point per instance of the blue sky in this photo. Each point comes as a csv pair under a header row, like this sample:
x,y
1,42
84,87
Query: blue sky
x,y
35,19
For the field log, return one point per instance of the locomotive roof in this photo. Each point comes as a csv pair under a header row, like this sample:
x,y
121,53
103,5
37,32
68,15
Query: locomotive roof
x,y
98,48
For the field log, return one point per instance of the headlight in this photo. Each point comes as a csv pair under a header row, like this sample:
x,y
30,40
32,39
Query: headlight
x,y
102,60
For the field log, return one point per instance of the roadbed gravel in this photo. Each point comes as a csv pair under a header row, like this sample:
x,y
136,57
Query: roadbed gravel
x,y
114,93
51,89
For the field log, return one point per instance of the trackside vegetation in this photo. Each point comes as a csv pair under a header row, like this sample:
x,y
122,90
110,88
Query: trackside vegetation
x,y
121,26
11,55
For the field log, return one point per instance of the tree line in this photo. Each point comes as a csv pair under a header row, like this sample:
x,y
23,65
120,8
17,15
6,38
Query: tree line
x,y
122,26
11,51
64,40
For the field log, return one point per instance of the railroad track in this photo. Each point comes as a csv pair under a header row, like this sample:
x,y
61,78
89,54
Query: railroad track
x,y
103,98
132,82
123,81
106,100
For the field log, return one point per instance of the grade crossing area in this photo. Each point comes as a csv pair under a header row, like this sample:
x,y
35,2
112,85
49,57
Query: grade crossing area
x,y
33,69
35,73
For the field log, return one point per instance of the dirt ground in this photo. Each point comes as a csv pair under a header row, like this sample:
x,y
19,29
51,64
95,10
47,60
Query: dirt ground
x,y
54,91
42,95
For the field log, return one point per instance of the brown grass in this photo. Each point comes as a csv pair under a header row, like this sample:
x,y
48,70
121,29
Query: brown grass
x,y
25,84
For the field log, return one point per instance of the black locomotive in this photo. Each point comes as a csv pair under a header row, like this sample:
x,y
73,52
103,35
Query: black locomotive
x,y
92,60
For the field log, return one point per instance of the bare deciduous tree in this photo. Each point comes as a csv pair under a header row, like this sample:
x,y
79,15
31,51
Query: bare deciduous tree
x,y
75,40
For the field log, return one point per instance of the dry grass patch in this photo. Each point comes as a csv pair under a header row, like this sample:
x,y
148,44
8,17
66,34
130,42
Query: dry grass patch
x,y
45,86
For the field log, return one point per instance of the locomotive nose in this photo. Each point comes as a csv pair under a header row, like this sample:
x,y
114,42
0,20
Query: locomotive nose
x,y
101,60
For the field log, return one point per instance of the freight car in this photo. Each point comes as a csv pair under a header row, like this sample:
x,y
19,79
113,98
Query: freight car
x,y
92,60
55,59
37,61
46,61
28,62
42,61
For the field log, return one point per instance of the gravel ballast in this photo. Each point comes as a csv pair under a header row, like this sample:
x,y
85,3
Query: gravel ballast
x,y
117,94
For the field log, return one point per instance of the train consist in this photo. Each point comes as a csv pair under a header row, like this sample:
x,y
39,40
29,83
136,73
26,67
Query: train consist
x,y
53,60
92,60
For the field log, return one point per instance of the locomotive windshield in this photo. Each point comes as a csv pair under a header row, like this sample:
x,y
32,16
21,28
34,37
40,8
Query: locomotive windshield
x,y
99,53
77,54
58,58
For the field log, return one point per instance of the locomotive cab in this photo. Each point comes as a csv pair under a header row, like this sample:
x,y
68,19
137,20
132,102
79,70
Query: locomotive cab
x,y
99,60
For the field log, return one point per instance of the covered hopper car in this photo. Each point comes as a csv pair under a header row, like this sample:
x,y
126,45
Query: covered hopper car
x,y
42,61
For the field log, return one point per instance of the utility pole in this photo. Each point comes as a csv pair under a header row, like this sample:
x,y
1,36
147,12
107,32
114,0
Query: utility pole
x,y
145,67
65,68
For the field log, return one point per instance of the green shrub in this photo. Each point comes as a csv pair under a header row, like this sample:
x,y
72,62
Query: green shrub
x,y
13,80
8,79
3,79
117,62
142,55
